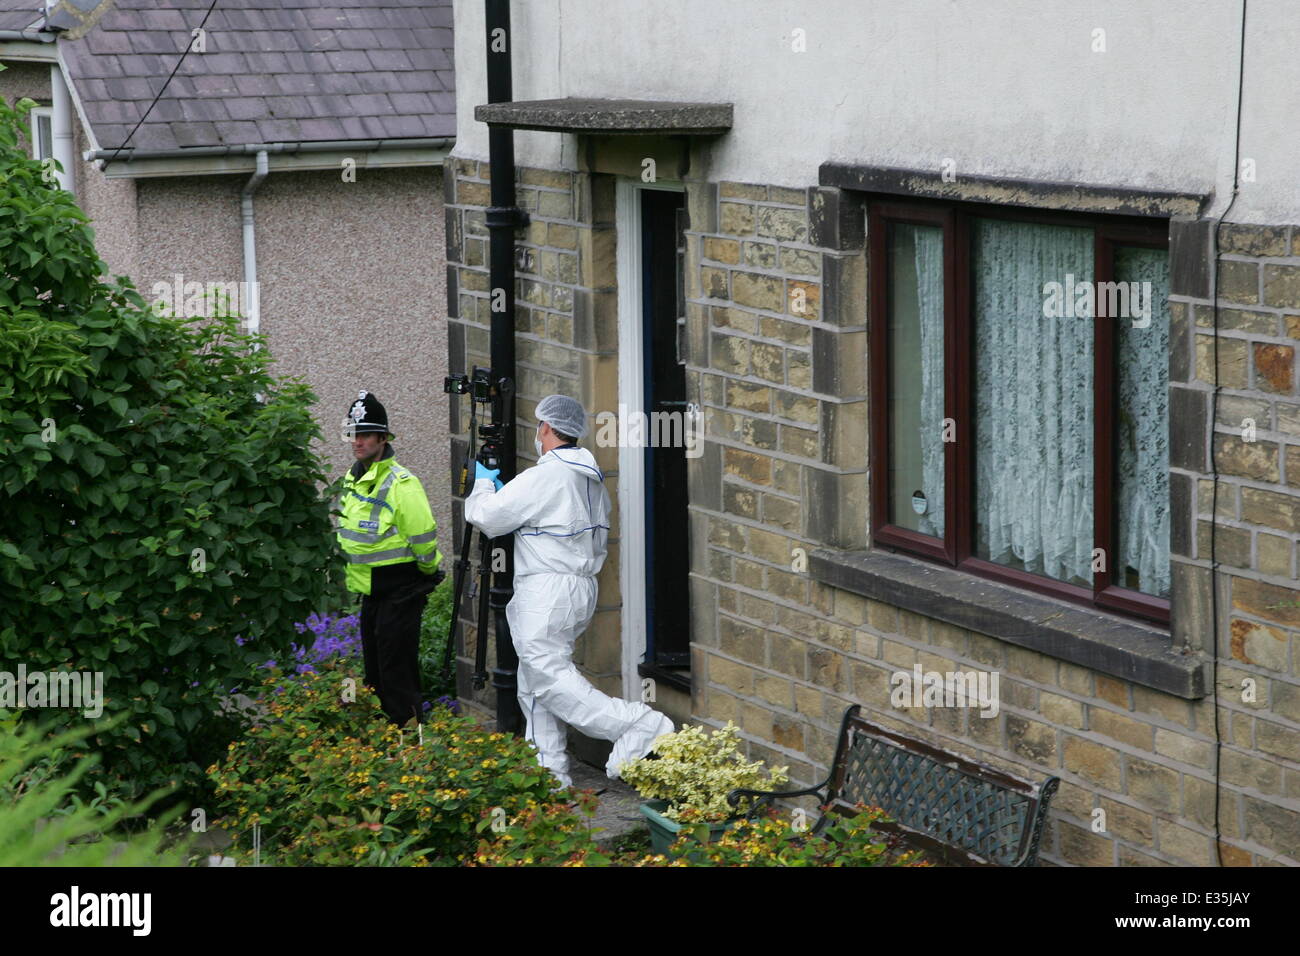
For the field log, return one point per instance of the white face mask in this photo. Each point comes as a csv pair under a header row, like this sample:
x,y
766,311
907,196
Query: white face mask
x,y
537,442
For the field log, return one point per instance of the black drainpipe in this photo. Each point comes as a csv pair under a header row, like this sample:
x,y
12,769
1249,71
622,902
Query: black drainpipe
x,y
503,218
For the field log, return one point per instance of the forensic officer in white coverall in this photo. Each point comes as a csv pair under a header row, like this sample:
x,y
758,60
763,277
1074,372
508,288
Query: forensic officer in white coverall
x,y
559,513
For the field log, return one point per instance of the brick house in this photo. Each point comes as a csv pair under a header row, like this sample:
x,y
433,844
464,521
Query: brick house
x,y
865,259
347,262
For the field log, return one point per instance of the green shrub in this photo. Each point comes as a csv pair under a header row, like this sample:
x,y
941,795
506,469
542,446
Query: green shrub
x,y
44,823
332,782
772,840
542,835
158,492
694,771
433,643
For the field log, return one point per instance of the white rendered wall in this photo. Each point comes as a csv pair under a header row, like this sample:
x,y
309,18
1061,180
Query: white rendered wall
x,y
1001,87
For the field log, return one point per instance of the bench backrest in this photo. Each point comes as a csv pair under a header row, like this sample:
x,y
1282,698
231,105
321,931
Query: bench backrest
x,y
987,815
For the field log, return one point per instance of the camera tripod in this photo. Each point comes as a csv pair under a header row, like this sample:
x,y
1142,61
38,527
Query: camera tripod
x,y
482,390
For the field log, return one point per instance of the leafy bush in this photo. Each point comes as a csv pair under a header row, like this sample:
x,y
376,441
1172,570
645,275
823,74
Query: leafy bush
x,y
433,642
160,491
542,835
772,840
44,823
333,782
695,771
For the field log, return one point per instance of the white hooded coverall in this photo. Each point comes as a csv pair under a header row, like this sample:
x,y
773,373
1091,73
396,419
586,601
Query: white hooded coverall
x,y
559,513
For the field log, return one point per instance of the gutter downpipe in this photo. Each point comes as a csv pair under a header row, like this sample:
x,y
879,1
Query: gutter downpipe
x,y
61,129
502,218
250,244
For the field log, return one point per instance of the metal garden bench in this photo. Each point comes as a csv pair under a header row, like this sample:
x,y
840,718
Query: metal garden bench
x,y
960,811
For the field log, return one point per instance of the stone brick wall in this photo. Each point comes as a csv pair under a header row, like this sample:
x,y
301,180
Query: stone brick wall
x,y
777,315
1255,439
566,323
777,355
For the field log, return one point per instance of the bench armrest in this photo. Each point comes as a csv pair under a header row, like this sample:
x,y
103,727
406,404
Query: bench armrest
x,y
767,796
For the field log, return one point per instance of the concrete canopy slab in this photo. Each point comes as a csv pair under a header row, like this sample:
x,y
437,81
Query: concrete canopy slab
x,y
575,114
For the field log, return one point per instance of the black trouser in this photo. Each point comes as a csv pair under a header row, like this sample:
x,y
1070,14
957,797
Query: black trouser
x,y
390,636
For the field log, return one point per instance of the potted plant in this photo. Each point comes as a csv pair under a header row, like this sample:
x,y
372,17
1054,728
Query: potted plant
x,y
688,779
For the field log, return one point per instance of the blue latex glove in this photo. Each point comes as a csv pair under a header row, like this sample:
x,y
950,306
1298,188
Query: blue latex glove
x,y
481,472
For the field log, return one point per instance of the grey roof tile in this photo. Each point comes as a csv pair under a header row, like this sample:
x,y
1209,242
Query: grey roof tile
x,y
166,110
132,88
361,39
109,41
19,16
352,128
430,59
192,134
273,69
258,84
319,41
246,107
390,60
288,106
328,18
404,127
213,111
370,104
373,128
168,42
319,129
349,61
238,132
338,82
279,130
375,82
297,82
214,85
331,105
408,103
267,62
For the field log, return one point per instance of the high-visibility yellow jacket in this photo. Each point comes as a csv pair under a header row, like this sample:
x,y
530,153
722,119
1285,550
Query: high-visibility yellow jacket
x,y
386,520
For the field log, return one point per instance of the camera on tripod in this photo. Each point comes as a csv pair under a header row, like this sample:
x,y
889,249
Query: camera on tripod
x,y
479,385
497,399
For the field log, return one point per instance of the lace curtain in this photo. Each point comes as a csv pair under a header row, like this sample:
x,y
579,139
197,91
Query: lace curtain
x,y
1034,408
1143,436
929,297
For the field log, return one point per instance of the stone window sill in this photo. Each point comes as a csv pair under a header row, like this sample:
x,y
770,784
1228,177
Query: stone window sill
x,y
1100,642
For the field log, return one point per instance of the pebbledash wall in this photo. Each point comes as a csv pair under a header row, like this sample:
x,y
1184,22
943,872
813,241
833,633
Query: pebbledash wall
x,y
782,653
1128,724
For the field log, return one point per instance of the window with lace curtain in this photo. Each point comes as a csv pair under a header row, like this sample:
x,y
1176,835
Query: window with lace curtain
x,y
1020,397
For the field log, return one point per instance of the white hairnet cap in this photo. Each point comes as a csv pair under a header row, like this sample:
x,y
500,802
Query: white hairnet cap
x,y
564,414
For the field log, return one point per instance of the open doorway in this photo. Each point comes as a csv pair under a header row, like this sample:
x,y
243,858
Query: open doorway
x,y
653,501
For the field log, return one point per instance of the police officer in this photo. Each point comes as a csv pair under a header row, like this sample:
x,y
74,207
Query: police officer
x,y
389,537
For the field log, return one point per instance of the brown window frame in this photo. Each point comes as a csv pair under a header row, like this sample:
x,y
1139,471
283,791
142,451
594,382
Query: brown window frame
x,y
956,547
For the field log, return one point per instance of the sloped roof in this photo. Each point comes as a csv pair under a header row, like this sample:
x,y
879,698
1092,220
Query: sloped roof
x,y
273,70
21,14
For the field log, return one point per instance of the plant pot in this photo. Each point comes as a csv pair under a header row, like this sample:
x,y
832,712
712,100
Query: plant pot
x,y
663,831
